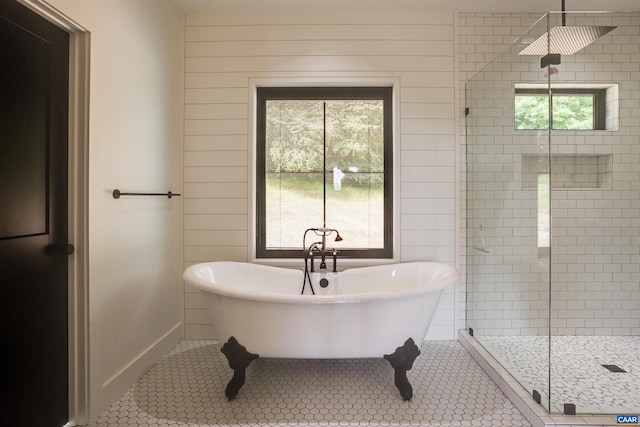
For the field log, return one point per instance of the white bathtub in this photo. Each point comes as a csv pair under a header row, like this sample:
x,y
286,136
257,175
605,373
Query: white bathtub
x,y
363,312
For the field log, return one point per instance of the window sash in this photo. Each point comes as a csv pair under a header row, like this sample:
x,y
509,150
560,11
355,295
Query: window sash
x,y
599,104
265,94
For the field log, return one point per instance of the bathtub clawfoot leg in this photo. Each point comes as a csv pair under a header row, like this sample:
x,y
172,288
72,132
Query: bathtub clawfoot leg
x,y
239,360
402,361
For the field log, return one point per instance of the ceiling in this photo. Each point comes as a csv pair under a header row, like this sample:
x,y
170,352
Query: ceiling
x,y
511,6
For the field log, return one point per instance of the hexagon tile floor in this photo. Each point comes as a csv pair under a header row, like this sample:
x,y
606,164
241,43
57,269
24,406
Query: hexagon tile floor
x,y
186,388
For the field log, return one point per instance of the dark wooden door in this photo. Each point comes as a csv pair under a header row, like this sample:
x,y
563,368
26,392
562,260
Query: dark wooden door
x,y
33,219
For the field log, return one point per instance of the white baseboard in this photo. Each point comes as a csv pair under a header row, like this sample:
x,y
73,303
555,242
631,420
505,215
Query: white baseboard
x,y
105,394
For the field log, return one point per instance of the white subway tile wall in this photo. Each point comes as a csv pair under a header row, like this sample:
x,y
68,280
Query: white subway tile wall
x,y
226,53
595,201
481,38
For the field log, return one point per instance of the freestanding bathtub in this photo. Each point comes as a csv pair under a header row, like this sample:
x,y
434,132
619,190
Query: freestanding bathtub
x,y
364,312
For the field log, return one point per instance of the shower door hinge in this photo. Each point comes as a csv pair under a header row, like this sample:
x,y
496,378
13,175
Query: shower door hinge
x,y
537,397
471,331
467,110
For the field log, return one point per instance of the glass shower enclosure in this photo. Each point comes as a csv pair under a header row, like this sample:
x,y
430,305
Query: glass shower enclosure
x,y
553,211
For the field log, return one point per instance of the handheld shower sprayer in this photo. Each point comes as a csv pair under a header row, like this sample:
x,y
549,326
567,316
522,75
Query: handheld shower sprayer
x,y
323,231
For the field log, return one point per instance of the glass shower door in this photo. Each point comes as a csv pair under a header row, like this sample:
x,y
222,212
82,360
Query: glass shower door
x,y
595,211
508,219
553,213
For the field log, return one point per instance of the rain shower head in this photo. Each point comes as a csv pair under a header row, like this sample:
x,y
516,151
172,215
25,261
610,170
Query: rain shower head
x,y
565,40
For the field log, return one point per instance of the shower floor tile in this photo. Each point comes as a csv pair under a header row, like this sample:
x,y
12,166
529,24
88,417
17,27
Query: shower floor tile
x,y
577,372
186,388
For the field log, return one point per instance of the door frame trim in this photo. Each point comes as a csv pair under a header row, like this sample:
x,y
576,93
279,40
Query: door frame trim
x,y
78,191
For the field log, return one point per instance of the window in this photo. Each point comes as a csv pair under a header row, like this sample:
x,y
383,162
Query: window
x,y
572,109
324,159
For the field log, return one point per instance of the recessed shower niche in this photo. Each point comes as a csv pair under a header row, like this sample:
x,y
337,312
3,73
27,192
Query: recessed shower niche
x,y
578,171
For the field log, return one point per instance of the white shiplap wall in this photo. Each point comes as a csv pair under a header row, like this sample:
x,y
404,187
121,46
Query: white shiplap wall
x,y
227,53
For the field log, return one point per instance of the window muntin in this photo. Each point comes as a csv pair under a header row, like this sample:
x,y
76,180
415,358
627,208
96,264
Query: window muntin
x,y
324,158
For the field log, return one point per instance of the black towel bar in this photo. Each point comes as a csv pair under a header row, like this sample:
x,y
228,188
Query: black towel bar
x,y
117,193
